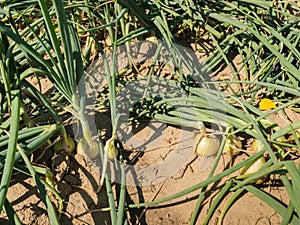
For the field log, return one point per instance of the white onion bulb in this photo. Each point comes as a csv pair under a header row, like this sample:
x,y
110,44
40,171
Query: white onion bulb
x,y
206,146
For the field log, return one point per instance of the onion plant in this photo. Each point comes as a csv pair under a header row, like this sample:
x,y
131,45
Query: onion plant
x,y
64,67
264,34
52,49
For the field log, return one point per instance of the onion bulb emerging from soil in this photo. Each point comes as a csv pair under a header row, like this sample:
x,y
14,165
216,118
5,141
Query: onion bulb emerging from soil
x,y
89,150
257,145
207,145
253,168
49,178
232,146
66,144
110,148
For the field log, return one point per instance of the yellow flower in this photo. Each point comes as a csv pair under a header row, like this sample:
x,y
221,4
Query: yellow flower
x,y
266,104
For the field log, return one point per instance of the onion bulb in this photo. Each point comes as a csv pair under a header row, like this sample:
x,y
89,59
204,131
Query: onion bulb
x,y
49,178
207,145
89,150
257,145
110,148
67,144
232,145
253,168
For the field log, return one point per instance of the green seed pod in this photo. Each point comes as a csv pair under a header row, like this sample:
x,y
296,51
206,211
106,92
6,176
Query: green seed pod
x,y
88,150
67,145
206,146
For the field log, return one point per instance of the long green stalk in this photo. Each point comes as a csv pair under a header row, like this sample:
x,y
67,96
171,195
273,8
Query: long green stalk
x,y
49,206
203,191
11,214
12,145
